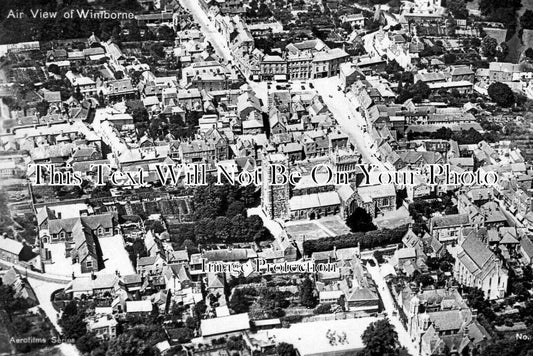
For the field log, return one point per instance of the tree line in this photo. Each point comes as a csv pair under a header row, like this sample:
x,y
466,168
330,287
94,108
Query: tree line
x,y
369,239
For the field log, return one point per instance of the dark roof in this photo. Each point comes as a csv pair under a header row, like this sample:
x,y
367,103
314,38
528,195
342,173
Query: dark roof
x,y
451,220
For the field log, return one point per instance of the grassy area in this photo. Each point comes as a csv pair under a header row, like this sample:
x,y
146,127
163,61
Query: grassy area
x,y
5,346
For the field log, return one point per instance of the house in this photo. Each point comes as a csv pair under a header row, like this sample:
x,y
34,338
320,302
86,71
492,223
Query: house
x,y
150,264
14,252
138,307
103,326
356,20
93,285
80,235
132,282
177,277
446,229
462,72
225,326
20,286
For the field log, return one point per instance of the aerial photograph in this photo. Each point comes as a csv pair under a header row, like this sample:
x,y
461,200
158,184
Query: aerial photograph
x,y
266,177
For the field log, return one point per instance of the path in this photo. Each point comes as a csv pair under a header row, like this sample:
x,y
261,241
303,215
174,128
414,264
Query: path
x,y
388,303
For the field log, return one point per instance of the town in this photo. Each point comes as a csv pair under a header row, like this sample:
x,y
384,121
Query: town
x,y
196,177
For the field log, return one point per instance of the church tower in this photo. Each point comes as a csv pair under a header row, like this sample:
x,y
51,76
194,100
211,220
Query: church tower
x,y
275,198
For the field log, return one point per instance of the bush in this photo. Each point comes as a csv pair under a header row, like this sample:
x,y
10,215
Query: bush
x,y
323,309
370,239
501,94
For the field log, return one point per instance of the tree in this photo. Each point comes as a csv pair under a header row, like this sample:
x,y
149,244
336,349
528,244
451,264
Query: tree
x,y
130,344
417,91
360,220
88,342
457,8
526,20
323,309
449,58
54,68
166,33
501,94
42,107
157,50
307,295
489,46
285,349
380,338
238,302
475,298
137,249
529,53
183,335
72,321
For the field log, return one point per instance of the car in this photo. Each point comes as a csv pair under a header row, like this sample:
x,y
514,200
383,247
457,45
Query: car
x,y
303,87
311,86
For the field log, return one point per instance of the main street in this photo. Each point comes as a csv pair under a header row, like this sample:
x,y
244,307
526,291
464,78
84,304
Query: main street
x,y
390,307
344,109
208,29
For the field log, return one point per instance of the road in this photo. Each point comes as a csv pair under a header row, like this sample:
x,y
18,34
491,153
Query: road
x,y
344,109
43,290
388,303
208,29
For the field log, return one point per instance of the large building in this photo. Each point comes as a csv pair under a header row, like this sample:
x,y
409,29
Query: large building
x,y
477,266
79,234
274,197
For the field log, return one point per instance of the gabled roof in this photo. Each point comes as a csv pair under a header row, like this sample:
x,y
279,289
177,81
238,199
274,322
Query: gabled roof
x,y
475,254
11,246
450,220
225,324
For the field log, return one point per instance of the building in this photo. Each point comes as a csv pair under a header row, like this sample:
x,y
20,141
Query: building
x,y
327,64
103,326
94,285
477,266
20,286
139,307
356,20
275,196
439,317
80,236
376,199
225,326
14,252
314,206
446,229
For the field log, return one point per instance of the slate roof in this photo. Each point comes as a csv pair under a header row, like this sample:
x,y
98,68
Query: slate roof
x,y
235,254
450,220
527,246
476,254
